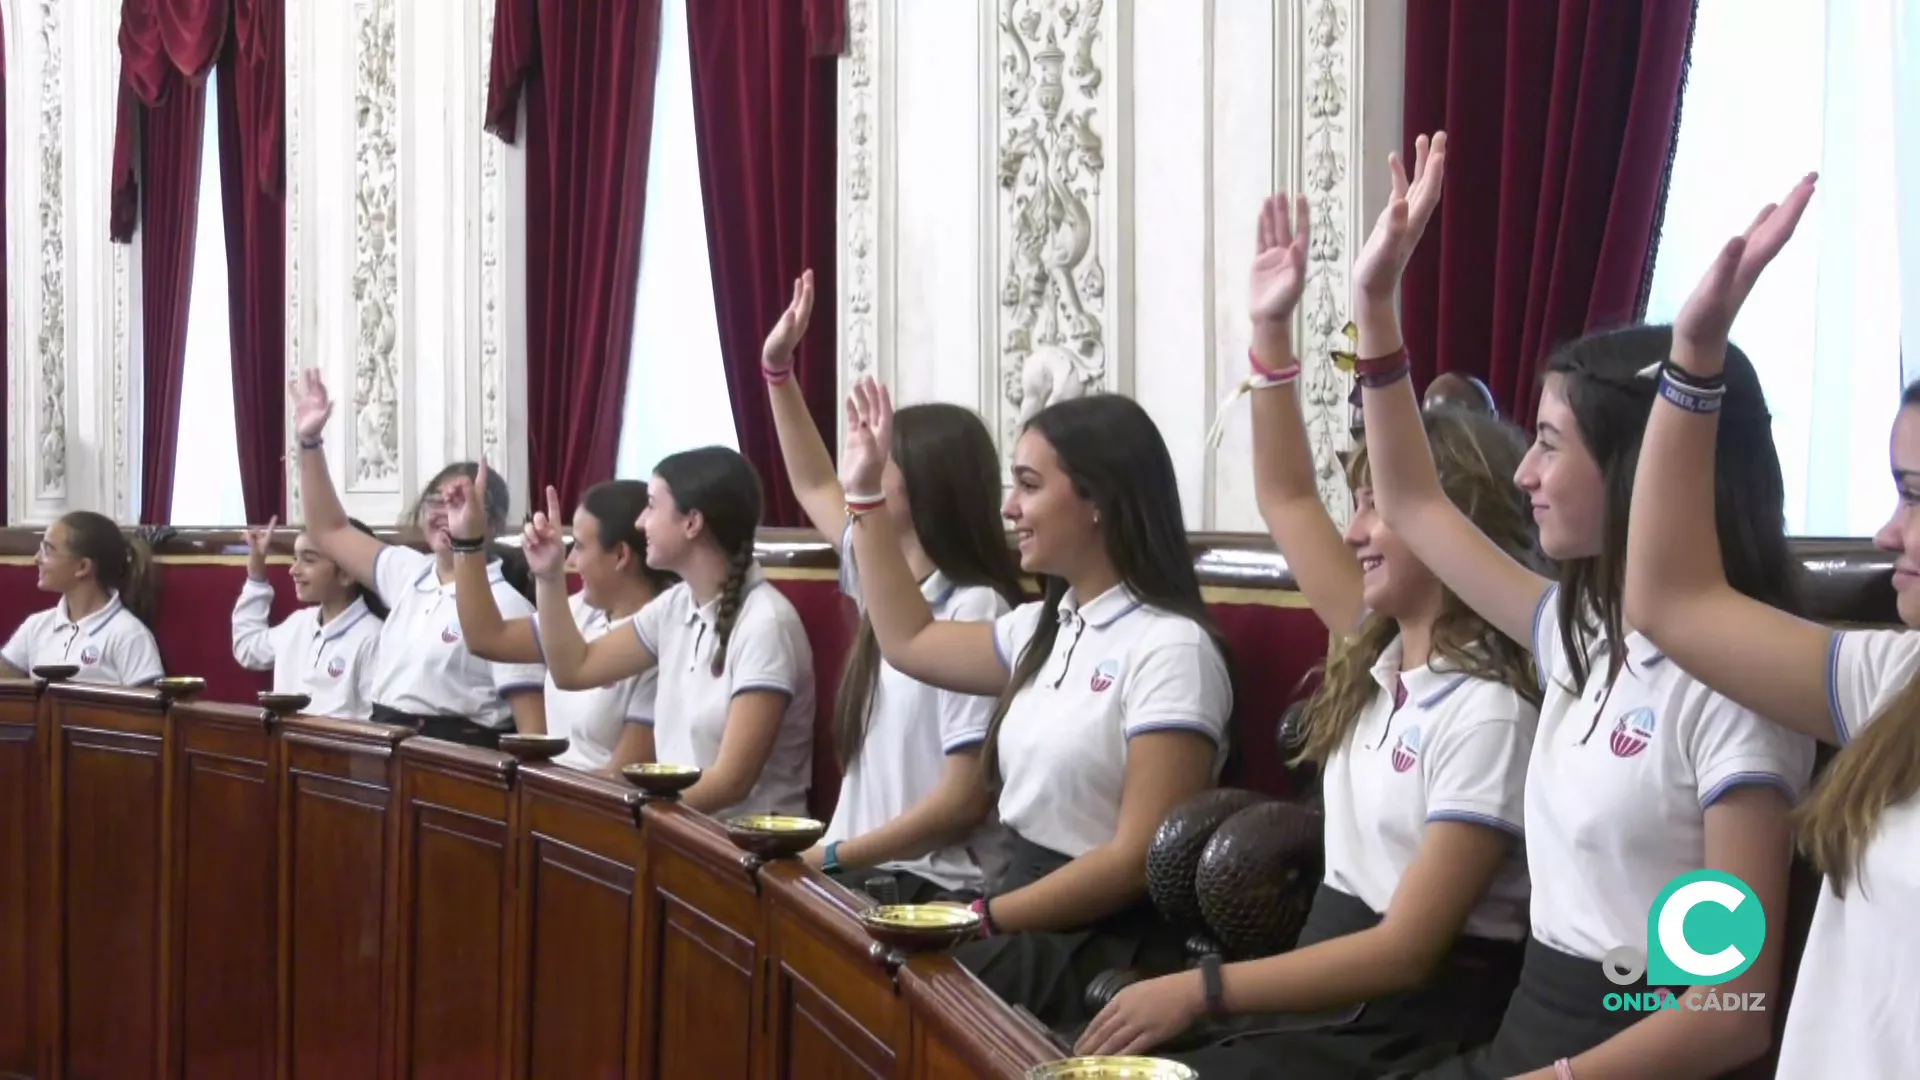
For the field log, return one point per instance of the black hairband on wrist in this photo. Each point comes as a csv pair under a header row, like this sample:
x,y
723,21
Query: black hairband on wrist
x,y
466,547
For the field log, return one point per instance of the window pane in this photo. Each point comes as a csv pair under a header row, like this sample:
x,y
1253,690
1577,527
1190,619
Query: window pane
x,y
206,464
676,387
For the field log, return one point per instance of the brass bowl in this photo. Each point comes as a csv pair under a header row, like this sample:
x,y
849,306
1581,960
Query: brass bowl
x,y
661,780
56,672
180,687
534,747
1112,1068
773,836
919,927
284,704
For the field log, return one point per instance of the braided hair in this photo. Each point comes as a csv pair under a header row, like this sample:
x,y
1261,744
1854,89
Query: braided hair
x,y
722,487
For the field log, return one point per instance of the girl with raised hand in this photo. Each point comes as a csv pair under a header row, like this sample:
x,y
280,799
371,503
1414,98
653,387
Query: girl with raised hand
x,y
1422,724
912,798
425,677
607,727
326,650
1640,774
1113,690
735,694
1852,1011
102,623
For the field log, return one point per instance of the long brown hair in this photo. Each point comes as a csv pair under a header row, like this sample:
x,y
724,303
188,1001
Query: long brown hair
x,y
1476,456
1873,773
121,563
1113,453
951,473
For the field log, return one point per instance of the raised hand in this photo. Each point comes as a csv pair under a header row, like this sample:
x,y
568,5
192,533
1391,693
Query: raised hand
x,y
869,438
786,335
1279,263
260,537
467,505
1376,273
1700,331
545,549
311,405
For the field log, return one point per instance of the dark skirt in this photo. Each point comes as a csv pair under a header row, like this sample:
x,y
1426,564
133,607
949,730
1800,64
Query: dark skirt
x,y
1047,973
1459,1007
898,887
1557,1011
453,729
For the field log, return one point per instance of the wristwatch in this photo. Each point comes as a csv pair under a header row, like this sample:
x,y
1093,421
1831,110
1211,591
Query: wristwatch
x,y
1212,986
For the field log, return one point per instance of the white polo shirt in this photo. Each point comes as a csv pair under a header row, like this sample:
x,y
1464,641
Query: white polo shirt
x,y
332,663
903,754
767,651
1119,668
423,666
1620,782
1858,992
1455,749
110,646
592,720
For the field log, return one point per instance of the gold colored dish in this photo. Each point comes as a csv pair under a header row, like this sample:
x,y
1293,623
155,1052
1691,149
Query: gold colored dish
x,y
284,704
180,687
534,747
661,780
919,927
1112,1068
773,836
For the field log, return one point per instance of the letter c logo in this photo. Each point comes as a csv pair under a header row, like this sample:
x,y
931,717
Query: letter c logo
x,y
1703,909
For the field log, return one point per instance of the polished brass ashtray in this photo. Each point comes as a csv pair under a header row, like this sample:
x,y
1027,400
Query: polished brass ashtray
x,y
534,747
180,687
284,704
1112,1068
774,836
661,780
919,927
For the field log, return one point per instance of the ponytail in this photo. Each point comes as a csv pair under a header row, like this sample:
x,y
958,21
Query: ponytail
x,y
138,591
728,613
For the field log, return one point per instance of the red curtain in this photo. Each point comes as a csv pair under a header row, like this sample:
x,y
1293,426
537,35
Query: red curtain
x,y
1560,121
251,90
764,95
4,253
585,72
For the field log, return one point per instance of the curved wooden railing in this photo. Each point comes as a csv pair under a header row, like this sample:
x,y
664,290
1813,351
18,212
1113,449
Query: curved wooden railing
x,y
200,889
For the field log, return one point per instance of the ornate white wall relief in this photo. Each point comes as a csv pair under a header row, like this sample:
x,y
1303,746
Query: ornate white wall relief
x,y
376,271
1328,131
859,190
294,21
493,286
51,342
1052,282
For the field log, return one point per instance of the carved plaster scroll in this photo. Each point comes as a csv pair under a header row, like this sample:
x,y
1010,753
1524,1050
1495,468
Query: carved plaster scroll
x,y
1049,102
1328,130
295,210
493,289
51,343
376,269
860,195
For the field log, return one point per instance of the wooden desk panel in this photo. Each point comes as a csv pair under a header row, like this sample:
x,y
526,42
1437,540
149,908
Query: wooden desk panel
x,y
836,1011
701,957
961,1031
223,890
107,792
22,873
338,841
456,866
580,998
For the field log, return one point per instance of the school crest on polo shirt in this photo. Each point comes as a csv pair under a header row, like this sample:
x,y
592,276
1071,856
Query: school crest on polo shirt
x,y
1632,732
1103,675
90,656
1406,750
337,667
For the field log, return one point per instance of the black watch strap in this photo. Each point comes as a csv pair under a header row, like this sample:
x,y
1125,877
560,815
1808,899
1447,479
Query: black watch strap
x,y
1212,986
